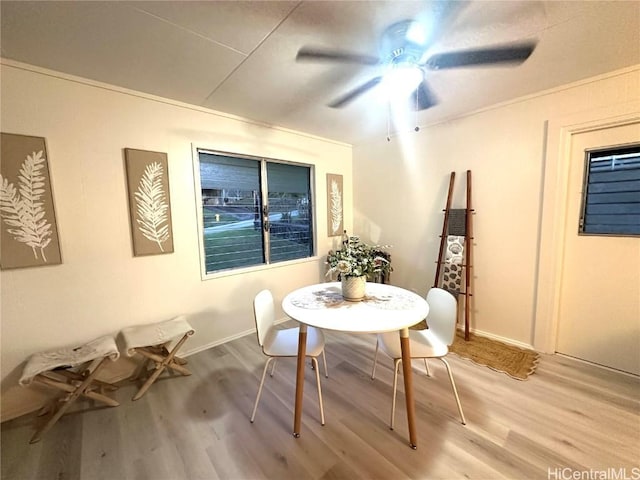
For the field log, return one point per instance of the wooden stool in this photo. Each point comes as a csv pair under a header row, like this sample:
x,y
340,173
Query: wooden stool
x,y
72,370
158,343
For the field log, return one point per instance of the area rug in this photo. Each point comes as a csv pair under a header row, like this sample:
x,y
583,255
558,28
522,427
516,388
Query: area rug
x,y
516,362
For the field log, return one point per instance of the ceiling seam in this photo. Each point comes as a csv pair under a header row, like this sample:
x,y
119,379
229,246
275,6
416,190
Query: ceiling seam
x,y
251,52
204,37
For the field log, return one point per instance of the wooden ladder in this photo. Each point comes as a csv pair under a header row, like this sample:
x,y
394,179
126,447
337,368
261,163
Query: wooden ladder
x,y
447,227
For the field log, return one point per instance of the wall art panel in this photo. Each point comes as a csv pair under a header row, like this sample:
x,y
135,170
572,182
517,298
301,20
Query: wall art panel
x,y
335,217
149,202
29,233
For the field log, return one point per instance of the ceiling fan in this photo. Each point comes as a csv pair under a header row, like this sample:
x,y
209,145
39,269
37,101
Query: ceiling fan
x,y
405,59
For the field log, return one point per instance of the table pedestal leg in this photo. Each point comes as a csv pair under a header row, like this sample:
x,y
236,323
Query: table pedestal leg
x,y
302,352
408,386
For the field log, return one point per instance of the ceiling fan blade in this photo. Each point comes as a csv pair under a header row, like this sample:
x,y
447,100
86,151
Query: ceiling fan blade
x,y
318,54
514,53
423,97
350,96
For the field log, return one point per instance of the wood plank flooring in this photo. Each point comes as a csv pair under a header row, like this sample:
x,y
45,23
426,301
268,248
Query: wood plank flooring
x,y
568,417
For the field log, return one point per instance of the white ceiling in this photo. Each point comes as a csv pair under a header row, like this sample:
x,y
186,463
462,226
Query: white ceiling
x,y
238,57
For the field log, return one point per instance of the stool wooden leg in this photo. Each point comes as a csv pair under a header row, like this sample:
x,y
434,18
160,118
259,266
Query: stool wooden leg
x,y
161,365
74,393
148,383
158,359
71,389
95,384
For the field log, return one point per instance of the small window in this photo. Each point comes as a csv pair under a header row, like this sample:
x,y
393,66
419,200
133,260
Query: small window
x,y
254,211
611,194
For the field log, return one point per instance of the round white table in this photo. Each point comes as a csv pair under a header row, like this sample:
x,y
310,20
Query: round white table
x,y
385,308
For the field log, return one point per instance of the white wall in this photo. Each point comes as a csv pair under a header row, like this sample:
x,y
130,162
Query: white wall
x,y
100,287
400,189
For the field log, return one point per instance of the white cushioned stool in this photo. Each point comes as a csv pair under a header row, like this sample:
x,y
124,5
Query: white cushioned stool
x,y
73,370
158,343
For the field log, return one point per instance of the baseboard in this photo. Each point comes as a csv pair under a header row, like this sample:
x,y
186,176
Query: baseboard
x,y
207,346
593,364
506,340
201,348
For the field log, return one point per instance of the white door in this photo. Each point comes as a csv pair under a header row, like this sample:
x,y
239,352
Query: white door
x,y
599,315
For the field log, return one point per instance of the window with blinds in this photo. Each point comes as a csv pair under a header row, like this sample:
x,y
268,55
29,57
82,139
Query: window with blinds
x,y
255,211
611,193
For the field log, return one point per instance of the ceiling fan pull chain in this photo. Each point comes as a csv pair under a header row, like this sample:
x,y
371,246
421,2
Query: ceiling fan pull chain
x,y
389,121
417,129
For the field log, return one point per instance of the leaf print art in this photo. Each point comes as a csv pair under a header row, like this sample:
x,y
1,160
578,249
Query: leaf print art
x,y
336,207
151,206
23,209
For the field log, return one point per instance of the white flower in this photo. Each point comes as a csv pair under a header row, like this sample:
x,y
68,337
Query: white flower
x,y
343,267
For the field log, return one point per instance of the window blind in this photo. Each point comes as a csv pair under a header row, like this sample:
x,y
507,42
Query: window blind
x,y
611,202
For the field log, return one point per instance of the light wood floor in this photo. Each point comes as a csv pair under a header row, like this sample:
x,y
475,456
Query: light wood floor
x,y
567,417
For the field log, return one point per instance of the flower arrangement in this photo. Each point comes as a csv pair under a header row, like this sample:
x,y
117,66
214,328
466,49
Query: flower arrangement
x,y
356,259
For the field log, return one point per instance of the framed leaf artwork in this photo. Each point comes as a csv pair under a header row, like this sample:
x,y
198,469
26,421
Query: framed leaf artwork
x,y
149,202
29,233
335,217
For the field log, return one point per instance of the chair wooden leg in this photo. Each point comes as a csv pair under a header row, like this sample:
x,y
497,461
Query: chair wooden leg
x,y
273,367
264,373
455,391
315,362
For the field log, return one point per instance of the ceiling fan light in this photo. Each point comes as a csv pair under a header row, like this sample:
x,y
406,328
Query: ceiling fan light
x,y
401,80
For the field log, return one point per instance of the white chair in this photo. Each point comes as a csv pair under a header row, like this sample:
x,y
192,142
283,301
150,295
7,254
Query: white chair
x,y
430,343
278,343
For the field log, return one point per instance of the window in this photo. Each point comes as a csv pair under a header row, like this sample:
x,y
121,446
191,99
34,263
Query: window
x,y
611,193
254,211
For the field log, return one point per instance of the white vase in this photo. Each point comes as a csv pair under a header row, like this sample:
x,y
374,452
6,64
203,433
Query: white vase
x,y
353,288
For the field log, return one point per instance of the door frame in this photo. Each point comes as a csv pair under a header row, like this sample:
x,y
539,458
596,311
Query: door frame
x,y
556,162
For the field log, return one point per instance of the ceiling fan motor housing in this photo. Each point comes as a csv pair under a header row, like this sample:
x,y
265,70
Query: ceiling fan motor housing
x,y
398,45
